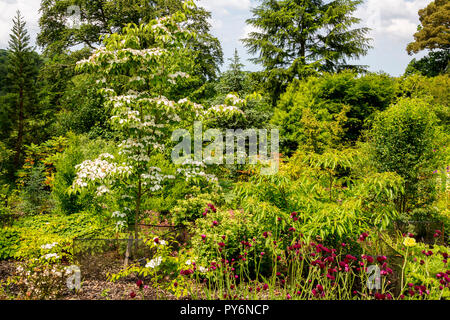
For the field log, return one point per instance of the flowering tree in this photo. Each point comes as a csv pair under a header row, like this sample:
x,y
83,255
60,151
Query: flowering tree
x,y
139,71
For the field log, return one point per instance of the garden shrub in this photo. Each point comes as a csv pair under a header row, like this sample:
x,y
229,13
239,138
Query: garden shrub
x,y
33,193
80,148
9,243
330,109
405,139
36,231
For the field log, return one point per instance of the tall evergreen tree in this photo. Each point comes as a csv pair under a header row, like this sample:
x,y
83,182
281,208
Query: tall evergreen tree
x,y
295,38
233,79
22,73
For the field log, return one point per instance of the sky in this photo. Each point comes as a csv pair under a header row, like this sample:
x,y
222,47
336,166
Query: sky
x,y
393,23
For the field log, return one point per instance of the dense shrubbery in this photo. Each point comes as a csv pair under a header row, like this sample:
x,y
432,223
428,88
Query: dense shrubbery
x,y
363,176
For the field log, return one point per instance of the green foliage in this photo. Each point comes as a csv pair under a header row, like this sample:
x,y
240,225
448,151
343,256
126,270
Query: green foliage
x,y
79,149
433,90
190,209
404,139
22,74
37,231
295,38
33,194
432,65
111,16
9,243
330,110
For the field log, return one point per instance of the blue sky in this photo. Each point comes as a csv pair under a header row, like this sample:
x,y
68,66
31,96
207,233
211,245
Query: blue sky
x,y
393,23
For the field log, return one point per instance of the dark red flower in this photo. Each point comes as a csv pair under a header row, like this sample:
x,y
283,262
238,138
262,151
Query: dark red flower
x,y
132,294
139,283
381,259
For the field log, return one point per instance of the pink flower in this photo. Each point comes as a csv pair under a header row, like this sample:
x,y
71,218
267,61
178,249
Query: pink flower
x,y
215,223
265,286
381,259
203,236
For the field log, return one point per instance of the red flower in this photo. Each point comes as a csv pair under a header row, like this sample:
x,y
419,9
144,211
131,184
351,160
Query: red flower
x,y
215,223
139,283
221,244
381,259
265,286
363,236
132,294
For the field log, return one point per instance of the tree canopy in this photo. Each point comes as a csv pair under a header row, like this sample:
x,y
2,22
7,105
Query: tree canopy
x,y
294,38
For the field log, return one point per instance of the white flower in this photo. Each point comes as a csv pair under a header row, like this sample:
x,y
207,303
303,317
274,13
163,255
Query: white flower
x,y
154,263
49,246
188,263
50,255
203,269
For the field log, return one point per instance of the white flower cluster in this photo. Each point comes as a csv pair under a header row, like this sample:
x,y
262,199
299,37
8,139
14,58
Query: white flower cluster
x,y
194,169
120,56
49,246
202,269
154,263
234,99
174,77
118,214
223,109
154,178
50,255
98,169
102,190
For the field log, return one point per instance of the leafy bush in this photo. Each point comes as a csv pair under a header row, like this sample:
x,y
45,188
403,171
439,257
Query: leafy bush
x,y
405,139
9,243
80,148
37,231
334,107
33,193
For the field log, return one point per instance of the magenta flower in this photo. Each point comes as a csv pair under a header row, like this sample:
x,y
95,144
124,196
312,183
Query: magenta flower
x,y
132,294
215,223
203,236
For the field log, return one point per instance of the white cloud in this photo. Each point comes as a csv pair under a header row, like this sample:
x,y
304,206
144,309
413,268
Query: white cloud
x,y
214,5
29,10
247,30
397,19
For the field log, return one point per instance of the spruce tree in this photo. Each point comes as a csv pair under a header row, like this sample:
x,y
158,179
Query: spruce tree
x,y
21,77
